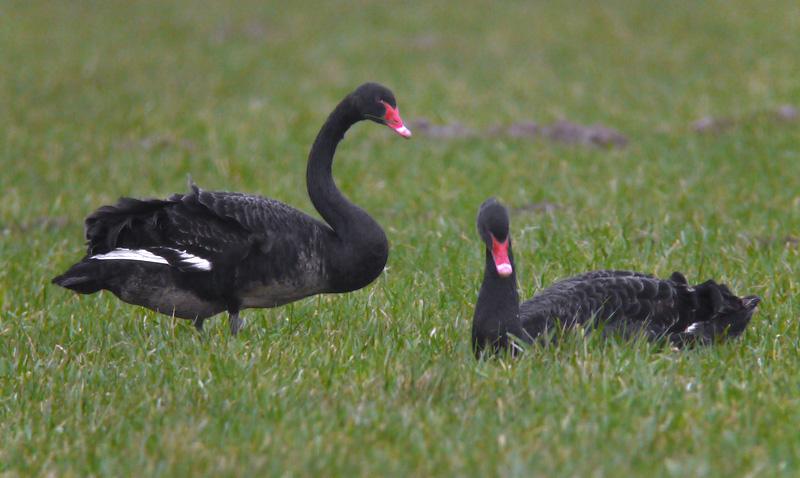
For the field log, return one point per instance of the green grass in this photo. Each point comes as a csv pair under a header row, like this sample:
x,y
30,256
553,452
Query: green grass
x,y
103,99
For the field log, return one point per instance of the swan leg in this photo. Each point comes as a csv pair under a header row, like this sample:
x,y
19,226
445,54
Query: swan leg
x,y
198,324
235,322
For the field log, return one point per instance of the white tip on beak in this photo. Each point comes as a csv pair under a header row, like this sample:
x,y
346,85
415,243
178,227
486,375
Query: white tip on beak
x,y
504,270
403,131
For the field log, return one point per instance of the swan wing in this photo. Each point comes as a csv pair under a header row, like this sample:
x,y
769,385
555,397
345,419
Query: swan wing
x,y
615,298
218,227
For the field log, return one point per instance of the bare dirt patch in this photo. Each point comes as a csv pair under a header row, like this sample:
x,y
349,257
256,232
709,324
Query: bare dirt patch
x,y
563,132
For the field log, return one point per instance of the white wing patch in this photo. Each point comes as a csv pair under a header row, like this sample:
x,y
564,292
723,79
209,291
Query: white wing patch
x,y
690,329
122,254
142,255
193,261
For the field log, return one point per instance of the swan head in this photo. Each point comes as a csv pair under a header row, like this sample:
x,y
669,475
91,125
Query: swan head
x,y
377,103
493,228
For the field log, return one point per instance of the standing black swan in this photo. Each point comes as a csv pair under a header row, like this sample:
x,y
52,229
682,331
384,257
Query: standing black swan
x,y
197,254
623,301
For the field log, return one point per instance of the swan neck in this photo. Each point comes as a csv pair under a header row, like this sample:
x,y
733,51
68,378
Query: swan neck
x,y
326,197
497,309
360,249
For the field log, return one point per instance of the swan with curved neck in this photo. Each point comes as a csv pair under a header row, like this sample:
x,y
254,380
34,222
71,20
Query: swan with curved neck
x,y
622,301
197,254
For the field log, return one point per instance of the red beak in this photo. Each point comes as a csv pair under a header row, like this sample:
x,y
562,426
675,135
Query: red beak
x,y
394,121
500,256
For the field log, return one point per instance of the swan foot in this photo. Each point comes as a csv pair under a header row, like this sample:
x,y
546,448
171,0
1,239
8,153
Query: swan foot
x,y
235,322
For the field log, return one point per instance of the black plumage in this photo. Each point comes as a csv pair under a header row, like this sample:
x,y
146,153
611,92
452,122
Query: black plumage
x,y
620,302
197,254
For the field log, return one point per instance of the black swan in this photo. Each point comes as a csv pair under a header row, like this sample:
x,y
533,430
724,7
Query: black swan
x,y
195,255
622,301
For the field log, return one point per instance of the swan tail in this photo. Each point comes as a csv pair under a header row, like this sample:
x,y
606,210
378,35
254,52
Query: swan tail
x,y
85,277
719,315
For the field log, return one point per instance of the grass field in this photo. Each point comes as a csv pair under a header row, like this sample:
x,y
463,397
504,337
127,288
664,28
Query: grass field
x,y
103,99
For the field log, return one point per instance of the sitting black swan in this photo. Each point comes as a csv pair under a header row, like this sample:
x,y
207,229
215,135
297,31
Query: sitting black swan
x,y
622,301
197,254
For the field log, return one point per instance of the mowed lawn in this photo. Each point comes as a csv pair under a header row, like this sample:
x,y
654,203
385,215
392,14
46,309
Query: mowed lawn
x,y
104,99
